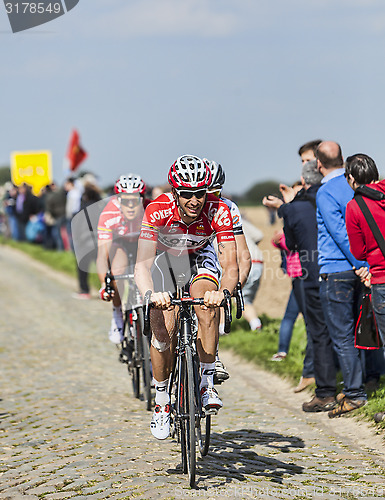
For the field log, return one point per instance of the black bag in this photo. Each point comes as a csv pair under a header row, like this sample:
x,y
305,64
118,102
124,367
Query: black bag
x,y
366,332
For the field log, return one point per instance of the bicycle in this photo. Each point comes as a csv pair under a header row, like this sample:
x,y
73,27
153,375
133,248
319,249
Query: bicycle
x,y
135,348
191,423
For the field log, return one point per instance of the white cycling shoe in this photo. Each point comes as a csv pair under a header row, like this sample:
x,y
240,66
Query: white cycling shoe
x,y
115,334
211,402
160,423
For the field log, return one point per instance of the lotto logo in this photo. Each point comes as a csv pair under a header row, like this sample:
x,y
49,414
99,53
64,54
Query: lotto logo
x,y
25,15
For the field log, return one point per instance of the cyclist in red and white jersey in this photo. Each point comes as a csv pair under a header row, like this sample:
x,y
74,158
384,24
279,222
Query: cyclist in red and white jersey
x,y
118,232
218,178
180,226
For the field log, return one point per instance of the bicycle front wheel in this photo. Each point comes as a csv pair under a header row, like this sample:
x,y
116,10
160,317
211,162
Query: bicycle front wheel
x,y
189,412
203,434
146,373
137,358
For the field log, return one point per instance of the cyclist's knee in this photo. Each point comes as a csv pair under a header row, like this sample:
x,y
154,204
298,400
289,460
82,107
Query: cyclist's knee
x,y
159,345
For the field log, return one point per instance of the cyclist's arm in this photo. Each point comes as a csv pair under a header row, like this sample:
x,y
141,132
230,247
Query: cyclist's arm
x,y
102,260
144,260
243,258
227,255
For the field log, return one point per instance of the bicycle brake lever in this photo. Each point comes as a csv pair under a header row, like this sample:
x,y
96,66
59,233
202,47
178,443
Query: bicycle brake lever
x,y
227,310
146,313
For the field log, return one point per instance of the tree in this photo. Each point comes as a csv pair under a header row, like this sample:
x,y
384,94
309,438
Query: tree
x,y
255,194
5,175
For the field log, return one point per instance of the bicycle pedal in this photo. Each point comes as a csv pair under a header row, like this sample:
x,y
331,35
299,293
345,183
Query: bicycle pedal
x,y
123,358
211,411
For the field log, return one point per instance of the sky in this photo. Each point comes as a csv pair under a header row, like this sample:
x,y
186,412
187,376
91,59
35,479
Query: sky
x,y
242,82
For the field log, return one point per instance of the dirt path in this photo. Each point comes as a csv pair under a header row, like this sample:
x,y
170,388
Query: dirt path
x,y
71,429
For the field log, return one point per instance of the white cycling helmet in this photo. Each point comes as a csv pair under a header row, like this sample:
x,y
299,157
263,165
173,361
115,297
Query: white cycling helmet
x,y
189,172
217,174
130,183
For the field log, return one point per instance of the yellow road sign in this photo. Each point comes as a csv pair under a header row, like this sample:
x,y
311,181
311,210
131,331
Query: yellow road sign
x,y
31,167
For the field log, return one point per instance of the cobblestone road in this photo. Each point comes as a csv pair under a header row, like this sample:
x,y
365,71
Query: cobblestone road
x,y
70,428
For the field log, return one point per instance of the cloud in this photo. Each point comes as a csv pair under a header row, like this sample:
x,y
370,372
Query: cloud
x,y
202,18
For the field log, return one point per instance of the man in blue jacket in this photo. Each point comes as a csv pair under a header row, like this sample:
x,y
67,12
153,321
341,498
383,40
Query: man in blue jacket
x,y
340,275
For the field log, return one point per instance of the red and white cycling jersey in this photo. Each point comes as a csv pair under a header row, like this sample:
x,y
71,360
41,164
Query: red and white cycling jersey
x,y
162,223
112,224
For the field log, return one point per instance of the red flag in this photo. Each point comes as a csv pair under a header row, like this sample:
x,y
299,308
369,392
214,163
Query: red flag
x,y
75,154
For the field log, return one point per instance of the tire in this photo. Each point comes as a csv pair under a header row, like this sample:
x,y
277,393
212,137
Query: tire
x,y
146,372
203,423
137,356
203,434
189,410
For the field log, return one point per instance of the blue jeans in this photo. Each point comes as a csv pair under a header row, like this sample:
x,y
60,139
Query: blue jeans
x,y
300,295
378,302
340,295
287,323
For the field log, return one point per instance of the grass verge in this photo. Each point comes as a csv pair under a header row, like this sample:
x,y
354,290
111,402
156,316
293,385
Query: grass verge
x,y
259,348
62,261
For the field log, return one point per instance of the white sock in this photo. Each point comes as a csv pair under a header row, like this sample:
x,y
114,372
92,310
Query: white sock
x,y
161,395
118,316
207,370
221,329
255,324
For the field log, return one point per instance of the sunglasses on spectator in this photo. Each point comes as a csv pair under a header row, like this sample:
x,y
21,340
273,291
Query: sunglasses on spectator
x,y
187,195
130,202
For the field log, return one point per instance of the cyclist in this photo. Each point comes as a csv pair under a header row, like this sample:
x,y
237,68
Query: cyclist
x,y
118,232
218,178
181,225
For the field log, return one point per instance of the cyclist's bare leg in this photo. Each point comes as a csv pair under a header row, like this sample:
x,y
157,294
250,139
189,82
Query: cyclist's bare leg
x,y
163,326
208,323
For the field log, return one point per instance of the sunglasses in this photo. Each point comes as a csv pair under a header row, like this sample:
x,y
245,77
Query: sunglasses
x,y
130,202
187,195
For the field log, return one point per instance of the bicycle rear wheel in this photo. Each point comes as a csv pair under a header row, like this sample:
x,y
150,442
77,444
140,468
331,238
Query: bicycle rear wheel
x,y
188,428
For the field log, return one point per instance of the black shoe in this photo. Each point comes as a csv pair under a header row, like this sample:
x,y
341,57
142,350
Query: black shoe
x,y
319,404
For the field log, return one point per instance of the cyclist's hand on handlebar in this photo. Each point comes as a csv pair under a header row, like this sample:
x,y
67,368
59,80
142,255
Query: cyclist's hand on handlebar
x,y
104,295
212,298
161,300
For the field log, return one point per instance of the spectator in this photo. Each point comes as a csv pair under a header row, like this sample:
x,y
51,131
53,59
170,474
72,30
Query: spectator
x,y
10,211
74,188
300,227
308,150
253,236
361,169
26,205
90,196
341,275
292,267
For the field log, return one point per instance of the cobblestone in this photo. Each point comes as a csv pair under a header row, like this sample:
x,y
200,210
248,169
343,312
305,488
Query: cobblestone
x,y
70,428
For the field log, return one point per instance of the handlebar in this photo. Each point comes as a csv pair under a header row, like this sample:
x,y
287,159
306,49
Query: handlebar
x,y
108,282
239,300
109,278
186,301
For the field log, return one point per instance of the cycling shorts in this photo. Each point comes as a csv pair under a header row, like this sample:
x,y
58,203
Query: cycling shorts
x,y
186,269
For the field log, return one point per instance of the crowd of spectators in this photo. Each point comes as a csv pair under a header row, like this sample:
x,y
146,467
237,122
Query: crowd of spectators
x,y
335,270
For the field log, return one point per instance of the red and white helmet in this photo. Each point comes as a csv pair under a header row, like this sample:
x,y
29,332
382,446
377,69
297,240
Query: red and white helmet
x,y
189,172
130,183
